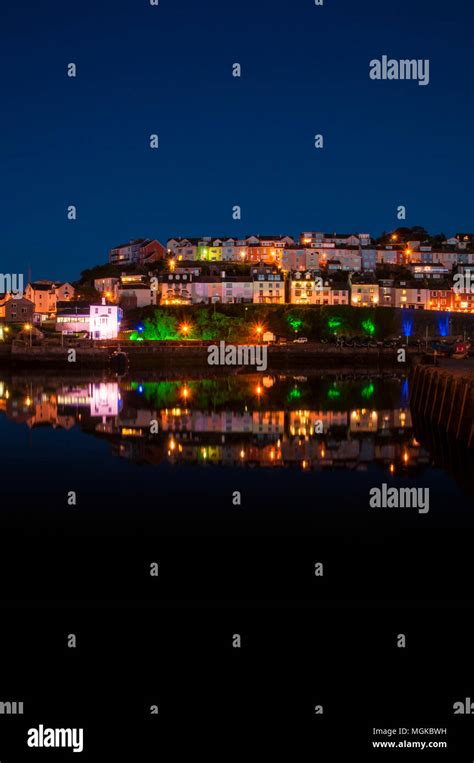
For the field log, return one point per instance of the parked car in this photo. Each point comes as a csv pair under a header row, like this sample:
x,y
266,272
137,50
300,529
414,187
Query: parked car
x,y
300,340
442,347
461,350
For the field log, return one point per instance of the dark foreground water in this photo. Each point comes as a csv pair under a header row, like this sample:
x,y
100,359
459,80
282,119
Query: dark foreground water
x,y
288,459
237,488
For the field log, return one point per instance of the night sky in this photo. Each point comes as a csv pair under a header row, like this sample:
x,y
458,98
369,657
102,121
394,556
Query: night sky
x,y
226,141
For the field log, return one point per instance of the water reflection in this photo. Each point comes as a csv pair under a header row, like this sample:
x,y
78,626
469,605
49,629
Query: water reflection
x,y
316,422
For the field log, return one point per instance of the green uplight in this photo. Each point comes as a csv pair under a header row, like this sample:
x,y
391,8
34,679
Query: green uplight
x,y
334,393
334,323
295,323
369,327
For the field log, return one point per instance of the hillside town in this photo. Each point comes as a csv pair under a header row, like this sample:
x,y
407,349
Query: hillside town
x,y
406,268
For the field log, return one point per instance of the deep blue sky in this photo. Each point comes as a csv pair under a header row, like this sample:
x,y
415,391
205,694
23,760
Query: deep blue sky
x,y
226,141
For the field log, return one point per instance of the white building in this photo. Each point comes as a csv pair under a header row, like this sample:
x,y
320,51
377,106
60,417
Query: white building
x,y
104,321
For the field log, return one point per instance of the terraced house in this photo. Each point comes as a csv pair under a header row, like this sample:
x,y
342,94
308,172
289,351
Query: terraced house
x,y
268,285
139,251
46,294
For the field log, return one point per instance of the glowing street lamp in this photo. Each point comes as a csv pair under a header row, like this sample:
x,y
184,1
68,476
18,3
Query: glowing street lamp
x,y
259,329
185,328
28,327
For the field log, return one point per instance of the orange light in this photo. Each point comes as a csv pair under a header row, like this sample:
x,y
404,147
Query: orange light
x,y
392,469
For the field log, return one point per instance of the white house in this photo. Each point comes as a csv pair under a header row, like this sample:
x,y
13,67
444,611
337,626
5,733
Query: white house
x,y
105,321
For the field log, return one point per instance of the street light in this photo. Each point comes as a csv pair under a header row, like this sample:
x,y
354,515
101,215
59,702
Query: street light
x,y
185,328
28,327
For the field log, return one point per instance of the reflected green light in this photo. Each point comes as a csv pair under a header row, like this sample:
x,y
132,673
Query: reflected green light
x,y
294,394
334,393
367,391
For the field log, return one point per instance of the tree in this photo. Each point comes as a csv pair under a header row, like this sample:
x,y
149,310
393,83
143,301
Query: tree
x,y
162,326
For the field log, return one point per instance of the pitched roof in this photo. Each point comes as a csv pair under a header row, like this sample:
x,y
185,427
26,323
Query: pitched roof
x,y
134,242
41,286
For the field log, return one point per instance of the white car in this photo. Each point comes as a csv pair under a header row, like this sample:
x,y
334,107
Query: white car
x,y
300,340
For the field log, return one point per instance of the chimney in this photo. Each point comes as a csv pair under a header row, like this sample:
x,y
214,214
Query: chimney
x,y
103,301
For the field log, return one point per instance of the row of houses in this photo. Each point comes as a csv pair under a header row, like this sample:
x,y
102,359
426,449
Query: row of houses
x,y
44,296
94,321
428,287
349,251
